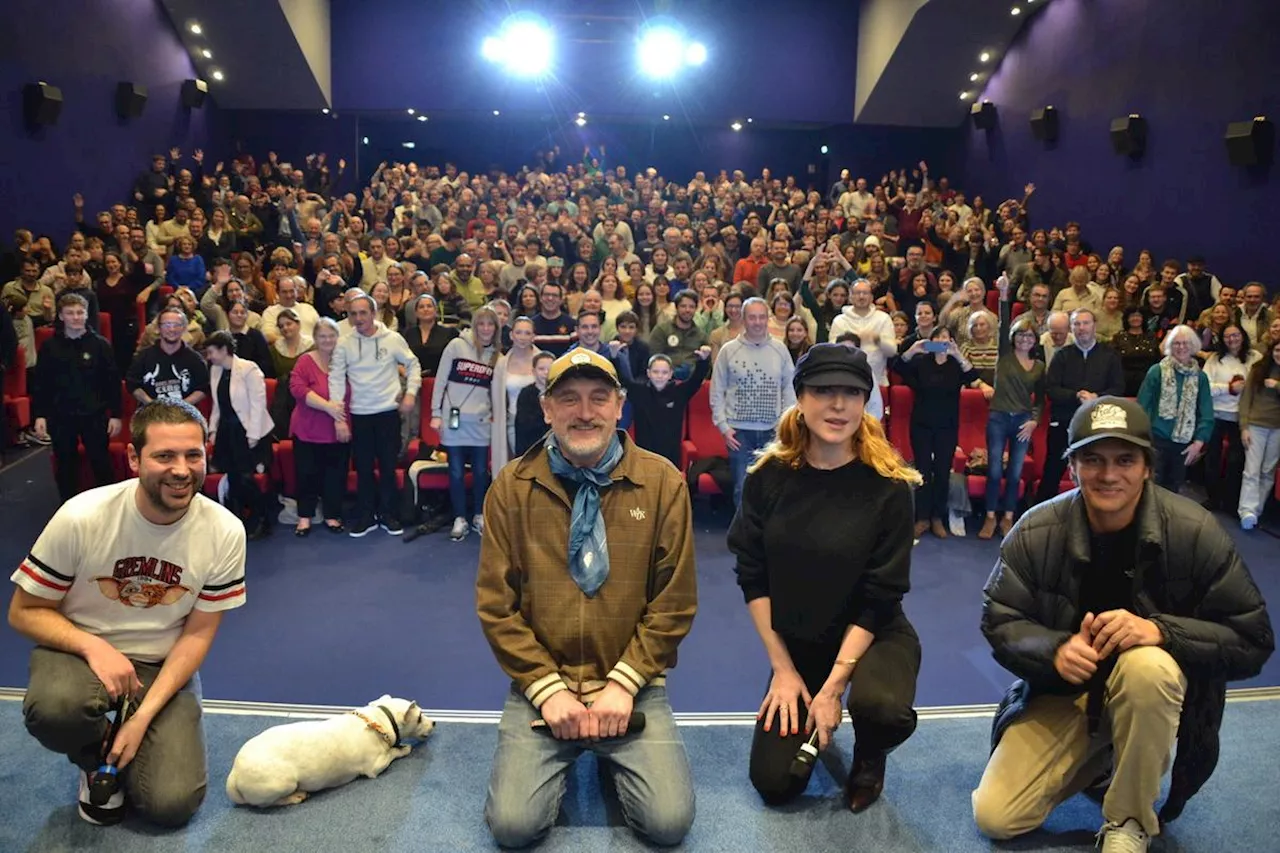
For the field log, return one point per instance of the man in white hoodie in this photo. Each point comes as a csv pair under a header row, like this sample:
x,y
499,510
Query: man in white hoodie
x,y
370,359
872,326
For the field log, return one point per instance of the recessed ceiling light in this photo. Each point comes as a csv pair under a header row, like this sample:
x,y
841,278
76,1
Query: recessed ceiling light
x,y
737,125
195,29
206,53
217,75
823,150
964,96
666,117
984,57
365,140
750,120
324,111
580,121
973,78
1015,11
422,118
582,115
497,112
410,144
410,111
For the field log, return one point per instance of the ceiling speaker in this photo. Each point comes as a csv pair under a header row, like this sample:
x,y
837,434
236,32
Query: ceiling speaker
x,y
983,115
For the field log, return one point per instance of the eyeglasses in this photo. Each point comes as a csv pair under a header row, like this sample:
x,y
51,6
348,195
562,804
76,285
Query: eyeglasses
x,y
173,325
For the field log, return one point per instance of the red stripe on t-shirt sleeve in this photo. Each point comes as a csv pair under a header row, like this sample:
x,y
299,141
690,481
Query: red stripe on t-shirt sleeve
x,y
223,596
43,581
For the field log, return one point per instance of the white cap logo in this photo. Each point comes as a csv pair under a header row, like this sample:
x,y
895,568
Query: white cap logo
x,y
1108,417
580,358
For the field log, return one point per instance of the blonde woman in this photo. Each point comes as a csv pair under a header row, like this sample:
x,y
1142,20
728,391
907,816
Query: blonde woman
x,y
828,608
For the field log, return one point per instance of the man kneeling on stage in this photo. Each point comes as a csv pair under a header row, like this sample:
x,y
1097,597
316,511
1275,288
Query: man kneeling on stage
x,y
1123,609
586,587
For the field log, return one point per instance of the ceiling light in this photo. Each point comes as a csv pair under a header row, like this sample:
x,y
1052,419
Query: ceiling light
x,y
750,120
666,117
823,150
1015,11
365,140
660,52
695,53
984,57
422,118
195,29
497,112
217,75
206,53
409,144
580,121
523,46
973,78
737,125
410,111
964,96
582,115
324,111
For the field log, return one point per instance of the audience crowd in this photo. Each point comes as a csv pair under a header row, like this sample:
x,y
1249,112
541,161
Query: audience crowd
x,y
210,281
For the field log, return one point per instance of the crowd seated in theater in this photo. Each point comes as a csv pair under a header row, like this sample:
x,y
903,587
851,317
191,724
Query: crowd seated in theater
x,y
985,328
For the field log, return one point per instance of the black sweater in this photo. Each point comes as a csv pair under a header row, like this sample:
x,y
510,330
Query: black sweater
x,y
76,376
829,548
1070,372
936,388
659,415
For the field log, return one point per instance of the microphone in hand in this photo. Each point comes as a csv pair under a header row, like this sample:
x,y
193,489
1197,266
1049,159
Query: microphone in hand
x,y
806,757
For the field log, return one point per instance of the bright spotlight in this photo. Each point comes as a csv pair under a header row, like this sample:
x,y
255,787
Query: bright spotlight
x,y
695,53
422,118
1015,11
324,111
365,140
661,52
737,125
497,112
206,53
491,49
410,111
409,144
984,57
195,29
580,121
823,150
523,46
666,117
964,96
217,75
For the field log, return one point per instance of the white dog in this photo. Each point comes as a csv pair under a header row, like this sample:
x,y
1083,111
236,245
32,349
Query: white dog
x,y
285,764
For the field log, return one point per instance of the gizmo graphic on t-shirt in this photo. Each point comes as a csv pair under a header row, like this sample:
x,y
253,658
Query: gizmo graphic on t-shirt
x,y
143,582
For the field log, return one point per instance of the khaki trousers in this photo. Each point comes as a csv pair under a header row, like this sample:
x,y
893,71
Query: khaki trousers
x,y
1047,755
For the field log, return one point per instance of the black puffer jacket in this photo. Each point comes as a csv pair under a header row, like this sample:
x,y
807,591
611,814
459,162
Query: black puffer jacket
x,y
1188,579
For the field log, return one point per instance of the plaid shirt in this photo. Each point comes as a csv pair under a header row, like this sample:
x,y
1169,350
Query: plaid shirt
x,y
547,635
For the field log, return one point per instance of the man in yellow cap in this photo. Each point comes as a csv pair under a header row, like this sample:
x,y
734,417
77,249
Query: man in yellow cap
x,y
586,586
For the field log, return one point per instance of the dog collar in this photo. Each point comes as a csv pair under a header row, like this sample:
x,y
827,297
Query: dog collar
x,y
393,742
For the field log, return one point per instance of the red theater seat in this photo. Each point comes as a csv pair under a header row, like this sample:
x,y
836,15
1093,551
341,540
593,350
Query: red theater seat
x,y
42,334
901,403
17,403
437,480
704,441
104,325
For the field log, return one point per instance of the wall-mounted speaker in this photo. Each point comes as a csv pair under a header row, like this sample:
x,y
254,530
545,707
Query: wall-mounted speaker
x,y
1129,135
983,115
1044,124
42,104
1251,143
194,93
130,99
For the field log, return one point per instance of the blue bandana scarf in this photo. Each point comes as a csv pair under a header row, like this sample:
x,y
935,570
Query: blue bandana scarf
x,y
588,549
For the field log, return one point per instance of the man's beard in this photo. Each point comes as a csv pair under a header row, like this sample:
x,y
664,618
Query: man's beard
x,y
154,491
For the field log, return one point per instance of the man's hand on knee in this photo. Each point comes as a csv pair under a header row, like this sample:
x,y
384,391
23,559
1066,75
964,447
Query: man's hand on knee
x,y
1119,630
612,710
568,718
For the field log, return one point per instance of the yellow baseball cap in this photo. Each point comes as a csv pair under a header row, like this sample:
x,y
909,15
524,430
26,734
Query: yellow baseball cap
x,y
585,363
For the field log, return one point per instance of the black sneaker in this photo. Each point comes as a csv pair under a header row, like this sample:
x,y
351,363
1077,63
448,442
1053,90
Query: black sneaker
x,y
392,526
360,528
105,815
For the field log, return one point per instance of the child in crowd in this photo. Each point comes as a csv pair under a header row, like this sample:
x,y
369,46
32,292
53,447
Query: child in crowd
x,y
658,404
530,424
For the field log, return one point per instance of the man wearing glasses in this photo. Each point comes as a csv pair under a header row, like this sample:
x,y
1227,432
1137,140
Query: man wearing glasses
x,y
169,368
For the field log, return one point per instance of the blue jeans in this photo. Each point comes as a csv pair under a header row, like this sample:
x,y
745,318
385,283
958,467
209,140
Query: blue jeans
x,y
458,459
650,769
749,442
1002,430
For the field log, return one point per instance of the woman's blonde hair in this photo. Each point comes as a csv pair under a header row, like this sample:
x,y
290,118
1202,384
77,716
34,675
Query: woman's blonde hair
x,y
871,447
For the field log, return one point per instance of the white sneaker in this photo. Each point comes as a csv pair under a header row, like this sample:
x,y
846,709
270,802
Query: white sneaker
x,y
477,524
460,529
1126,837
111,813
1248,521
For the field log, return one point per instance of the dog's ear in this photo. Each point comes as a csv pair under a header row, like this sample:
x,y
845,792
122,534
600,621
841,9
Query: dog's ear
x,y
382,700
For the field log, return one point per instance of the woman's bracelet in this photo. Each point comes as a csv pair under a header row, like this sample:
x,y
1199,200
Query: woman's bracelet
x,y
847,662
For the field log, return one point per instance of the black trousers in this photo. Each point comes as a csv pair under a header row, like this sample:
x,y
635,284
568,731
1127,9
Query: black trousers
x,y
934,449
1224,486
321,473
1054,465
375,437
65,433
881,693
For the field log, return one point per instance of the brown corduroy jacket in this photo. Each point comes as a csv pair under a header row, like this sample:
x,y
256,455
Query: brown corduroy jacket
x,y
549,636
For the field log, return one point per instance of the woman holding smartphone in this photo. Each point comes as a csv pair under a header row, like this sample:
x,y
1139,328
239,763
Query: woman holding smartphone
x,y
828,606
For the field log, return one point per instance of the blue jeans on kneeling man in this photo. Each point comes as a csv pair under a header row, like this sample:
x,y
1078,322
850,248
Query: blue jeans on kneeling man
x,y
530,769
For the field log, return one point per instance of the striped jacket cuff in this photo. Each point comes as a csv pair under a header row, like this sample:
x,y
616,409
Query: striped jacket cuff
x,y
627,677
544,688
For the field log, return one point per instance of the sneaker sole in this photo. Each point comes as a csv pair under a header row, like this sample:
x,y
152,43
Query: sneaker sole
x,y
357,534
399,532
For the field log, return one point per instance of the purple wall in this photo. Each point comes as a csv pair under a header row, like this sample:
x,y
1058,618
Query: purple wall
x,y
86,49
1189,68
395,54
